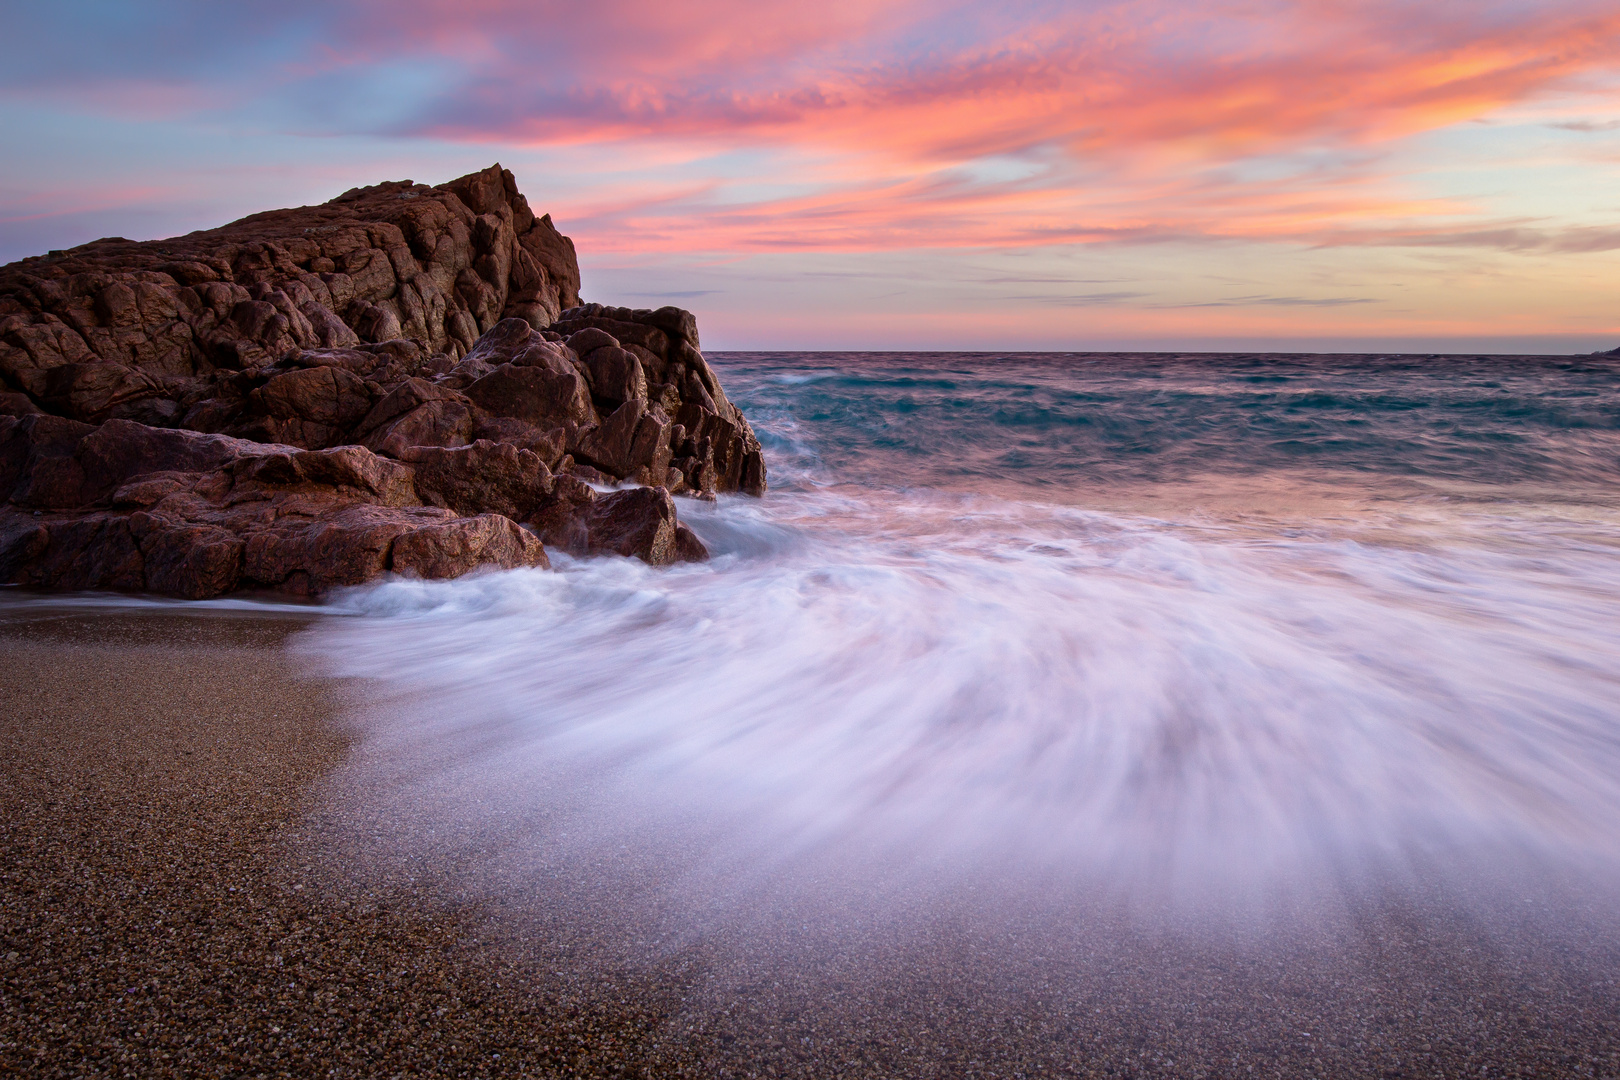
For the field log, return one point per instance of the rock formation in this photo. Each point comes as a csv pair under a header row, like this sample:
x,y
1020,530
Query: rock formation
x,y
401,380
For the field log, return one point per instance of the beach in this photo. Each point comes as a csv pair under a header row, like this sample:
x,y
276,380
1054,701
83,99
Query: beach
x,y
1052,716
163,917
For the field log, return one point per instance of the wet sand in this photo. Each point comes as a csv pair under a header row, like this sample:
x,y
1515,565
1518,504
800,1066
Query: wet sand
x,y
195,879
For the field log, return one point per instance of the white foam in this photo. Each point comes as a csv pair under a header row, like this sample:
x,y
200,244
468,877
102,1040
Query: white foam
x,y
938,681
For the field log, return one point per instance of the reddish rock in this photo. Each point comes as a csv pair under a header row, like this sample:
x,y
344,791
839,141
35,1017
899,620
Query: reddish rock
x,y
454,547
23,538
482,478
615,375
38,467
86,551
688,548
347,546
269,404
406,397
193,561
549,444
679,382
349,473
564,521
121,449
435,423
17,405
638,522
537,395
312,407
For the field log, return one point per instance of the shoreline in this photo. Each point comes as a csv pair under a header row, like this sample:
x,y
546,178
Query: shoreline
x,y
195,885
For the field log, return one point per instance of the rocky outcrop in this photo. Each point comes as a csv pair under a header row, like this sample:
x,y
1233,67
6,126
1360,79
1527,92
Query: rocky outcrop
x,y
401,380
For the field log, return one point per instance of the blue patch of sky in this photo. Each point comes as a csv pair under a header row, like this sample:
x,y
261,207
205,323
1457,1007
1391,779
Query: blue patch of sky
x,y
69,44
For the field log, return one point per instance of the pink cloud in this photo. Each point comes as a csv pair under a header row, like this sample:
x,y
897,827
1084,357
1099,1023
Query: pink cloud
x,y
897,124
1208,79
1138,120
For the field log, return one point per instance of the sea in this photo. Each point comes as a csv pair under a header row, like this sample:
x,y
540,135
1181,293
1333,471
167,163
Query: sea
x,y
1205,632
1051,715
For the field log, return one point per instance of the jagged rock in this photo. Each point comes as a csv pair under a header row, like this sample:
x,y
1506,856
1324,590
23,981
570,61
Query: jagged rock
x,y
455,547
193,561
639,522
615,375
403,399
351,471
272,403
17,405
346,546
312,407
720,451
688,548
38,469
87,551
549,444
564,522
100,327
633,443
482,478
536,395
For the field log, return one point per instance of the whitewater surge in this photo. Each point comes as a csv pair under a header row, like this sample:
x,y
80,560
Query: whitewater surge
x,y
1211,684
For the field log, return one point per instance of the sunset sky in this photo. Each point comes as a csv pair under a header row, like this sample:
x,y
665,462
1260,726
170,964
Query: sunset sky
x,y
1429,176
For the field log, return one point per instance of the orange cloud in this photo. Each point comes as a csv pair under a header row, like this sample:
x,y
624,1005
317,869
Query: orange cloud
x,y
755,125
1140,120
1224,80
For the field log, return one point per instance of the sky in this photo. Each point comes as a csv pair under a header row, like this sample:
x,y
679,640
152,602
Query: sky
x,y
1200,174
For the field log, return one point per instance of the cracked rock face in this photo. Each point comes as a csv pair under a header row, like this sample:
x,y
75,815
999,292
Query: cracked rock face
x,y
401,380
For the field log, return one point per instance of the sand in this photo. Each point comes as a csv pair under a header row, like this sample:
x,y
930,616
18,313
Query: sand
x,y
158,916
190,885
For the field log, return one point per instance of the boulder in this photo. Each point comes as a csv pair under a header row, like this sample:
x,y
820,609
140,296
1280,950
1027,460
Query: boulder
x,y
401,380
615,375
485,477
86,551
192,561
688,548
312,407
639,522
537,395
454,547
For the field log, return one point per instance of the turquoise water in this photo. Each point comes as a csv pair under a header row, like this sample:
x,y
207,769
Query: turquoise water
x,y
1194,625
1053,425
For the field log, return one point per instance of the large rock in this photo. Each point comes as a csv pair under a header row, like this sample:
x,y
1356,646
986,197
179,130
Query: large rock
x,y
536,395
95,331
712,447
454,547
402,380
639,522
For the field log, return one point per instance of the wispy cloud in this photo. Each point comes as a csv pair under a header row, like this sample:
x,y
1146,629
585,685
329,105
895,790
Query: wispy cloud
x,y
1080,299
1279,301
898,122
1586,126
829,139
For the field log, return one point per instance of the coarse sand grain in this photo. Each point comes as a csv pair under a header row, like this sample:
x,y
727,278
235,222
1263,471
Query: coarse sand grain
x,y
158,912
